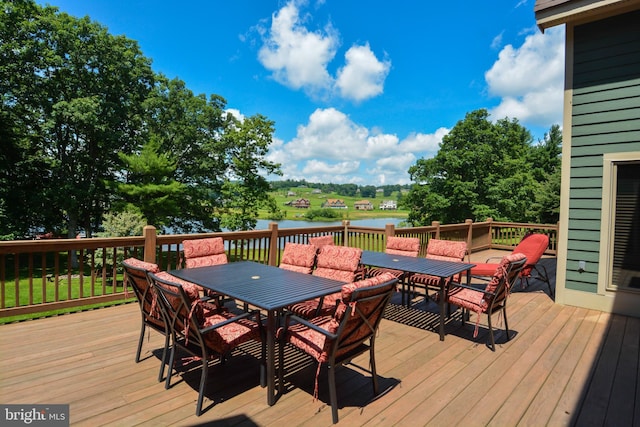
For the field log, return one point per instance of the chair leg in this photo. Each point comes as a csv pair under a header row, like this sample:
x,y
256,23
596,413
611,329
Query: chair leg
x,y
167,383
545,277
492,339
142,328
164,357
372,365
506,323
203,383
332,392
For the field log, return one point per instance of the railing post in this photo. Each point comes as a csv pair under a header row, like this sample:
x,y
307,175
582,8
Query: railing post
x,y
436,224
389,230
469,223
149,233
490,221
345,232
273,244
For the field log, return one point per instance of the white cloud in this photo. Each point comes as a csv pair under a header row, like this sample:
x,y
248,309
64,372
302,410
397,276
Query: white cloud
x,y
332,148
235,113
363,75
299,58
424,143
530,79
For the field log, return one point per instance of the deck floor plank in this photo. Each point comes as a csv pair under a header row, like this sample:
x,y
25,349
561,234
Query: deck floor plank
x,y
563,366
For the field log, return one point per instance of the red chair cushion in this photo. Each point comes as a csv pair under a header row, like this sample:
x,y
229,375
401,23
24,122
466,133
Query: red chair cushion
x,y
407,246
338,263
484,269
298,257
446,250
148,266
533,247
227,337
204,252
320,241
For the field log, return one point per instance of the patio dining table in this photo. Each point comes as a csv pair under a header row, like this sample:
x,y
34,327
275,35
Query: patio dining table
x,y
420,265
266,287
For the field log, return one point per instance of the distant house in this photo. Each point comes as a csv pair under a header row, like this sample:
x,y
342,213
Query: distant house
x,y
316,191
334,204
301,203
291,194
388,205
363,205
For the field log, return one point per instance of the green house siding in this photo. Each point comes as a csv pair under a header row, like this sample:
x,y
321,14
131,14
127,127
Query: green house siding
x,y
605,119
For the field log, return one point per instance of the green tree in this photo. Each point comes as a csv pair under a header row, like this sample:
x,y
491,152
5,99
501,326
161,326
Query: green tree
x,y
246,189
368,191
80,92
481,170
547,164
219,160
150,188
128,222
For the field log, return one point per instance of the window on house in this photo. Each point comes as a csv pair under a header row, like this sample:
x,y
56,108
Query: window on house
x,y
625,267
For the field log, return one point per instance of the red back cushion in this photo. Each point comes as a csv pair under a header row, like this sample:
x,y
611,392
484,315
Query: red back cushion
x,y
407,246
347,290
204,252
338,262
321,241
298,257
148,266
499,275
446,250
533,247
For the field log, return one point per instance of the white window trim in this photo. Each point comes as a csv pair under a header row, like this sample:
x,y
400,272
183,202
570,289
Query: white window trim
x,y
607,216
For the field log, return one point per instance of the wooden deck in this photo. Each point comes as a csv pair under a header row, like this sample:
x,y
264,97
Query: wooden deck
x,y
563,366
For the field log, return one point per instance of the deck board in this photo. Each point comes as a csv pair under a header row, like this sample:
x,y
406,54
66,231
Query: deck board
x,y
563,366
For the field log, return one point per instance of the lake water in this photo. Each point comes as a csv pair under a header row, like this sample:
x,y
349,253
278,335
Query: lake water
x,y
288,223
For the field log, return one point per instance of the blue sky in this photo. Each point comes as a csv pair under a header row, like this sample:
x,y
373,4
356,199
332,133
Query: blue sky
x,y
358,90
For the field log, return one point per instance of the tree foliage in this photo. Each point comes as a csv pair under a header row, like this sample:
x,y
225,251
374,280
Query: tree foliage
x,y
484,169
89,128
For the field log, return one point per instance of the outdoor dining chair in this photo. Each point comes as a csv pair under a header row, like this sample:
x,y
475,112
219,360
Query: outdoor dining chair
x,y
203,253
443,250
405,246
298,257
340,263
337,339
533,247
203,333
492,298
135,276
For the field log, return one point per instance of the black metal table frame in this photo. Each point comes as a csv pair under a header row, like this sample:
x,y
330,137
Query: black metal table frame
x,y
266,287
420,265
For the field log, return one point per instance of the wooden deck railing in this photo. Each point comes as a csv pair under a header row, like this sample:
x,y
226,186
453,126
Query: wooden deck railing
x,y
38,276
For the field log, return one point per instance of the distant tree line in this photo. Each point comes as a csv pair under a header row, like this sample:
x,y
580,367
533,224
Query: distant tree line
x,y
87,128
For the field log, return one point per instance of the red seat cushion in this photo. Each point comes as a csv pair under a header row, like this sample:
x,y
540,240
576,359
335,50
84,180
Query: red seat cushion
x,y
484,269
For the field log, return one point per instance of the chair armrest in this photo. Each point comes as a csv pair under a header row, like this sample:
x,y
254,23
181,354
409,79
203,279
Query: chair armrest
x,y
308,324
460,285
233,320
493,257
